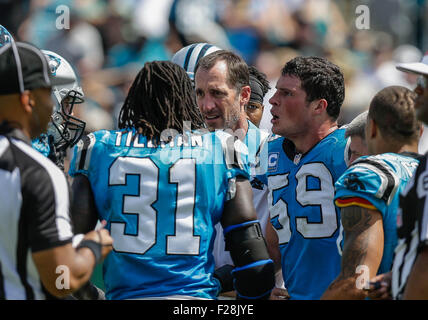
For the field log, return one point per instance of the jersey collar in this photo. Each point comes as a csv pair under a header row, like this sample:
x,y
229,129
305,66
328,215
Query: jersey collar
x,y
10,131
291,152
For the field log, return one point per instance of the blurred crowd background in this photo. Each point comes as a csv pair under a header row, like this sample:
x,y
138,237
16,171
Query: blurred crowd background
x,y
109,41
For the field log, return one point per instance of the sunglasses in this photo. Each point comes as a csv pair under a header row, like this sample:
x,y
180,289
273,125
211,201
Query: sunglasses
x,y
422,82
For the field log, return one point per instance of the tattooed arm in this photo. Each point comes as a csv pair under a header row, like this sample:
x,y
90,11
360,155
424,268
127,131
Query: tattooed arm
x,y
362,252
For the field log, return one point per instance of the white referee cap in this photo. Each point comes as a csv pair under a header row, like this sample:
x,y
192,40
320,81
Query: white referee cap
x,y
415,67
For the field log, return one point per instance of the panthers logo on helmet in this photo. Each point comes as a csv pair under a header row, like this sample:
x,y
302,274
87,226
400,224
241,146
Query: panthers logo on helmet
x,y
5,36
54,63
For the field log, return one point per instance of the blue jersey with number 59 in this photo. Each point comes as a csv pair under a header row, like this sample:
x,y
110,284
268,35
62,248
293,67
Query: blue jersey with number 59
x,y
161,203
303,214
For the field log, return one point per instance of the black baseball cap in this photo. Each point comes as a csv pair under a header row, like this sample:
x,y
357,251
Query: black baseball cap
x,y
24,67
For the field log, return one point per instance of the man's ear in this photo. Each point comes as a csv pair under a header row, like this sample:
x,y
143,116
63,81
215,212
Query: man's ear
x,y
245,95
27,101
373,129
320,106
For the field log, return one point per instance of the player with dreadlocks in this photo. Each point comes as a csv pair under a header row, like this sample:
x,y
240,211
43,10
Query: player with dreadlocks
x,y
156,101
161,205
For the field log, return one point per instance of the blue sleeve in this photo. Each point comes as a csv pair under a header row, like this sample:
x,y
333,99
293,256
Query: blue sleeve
x,y
41,144
361,182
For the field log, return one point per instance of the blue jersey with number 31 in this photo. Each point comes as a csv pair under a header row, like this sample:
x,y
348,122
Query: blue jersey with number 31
x,y
161,204
303,214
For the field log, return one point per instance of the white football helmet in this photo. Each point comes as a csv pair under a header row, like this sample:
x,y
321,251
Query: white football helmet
x,y
188,57
65,129
5,36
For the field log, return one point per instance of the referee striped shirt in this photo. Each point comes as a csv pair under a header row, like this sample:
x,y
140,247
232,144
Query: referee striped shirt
x,y
34,214
412,228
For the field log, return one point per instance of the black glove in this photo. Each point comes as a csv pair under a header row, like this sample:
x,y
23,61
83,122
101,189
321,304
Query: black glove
x,y
224,275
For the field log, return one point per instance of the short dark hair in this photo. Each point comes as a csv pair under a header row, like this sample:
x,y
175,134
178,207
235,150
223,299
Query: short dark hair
x,y
238,74
161,97
392,108
261,77
320,79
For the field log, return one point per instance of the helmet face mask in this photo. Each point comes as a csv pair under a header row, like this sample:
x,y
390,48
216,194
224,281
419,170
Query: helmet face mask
x,y
64,130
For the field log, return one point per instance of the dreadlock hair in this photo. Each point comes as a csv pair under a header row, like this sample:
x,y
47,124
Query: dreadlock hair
x,y
161,97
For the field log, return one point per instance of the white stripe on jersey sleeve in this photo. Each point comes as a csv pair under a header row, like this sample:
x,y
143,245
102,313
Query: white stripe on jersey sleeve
x,y
60,186
261,158
239,150
346,154
78,154
424,223
422,192
4,144
403,262
11,202
79,148
89,152
408,186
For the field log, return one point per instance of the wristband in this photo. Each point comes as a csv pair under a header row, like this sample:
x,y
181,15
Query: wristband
x,y
224,275
95,247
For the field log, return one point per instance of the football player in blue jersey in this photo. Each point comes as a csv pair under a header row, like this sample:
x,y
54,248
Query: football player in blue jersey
x,y
161,189
306,157
64,129
254,109
368,192
226,107
224,89
408,277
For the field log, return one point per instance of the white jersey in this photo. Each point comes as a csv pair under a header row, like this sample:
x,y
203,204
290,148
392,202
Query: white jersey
x,y
256,140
